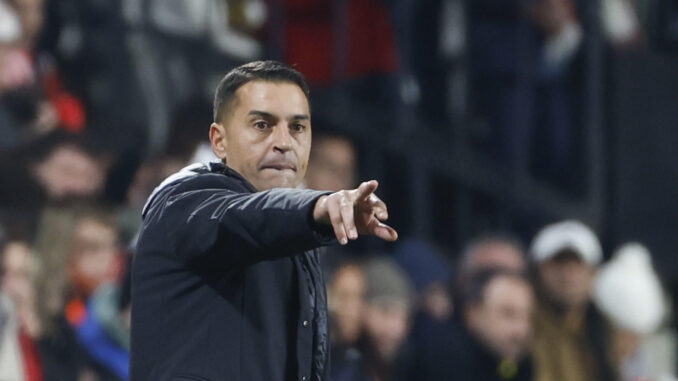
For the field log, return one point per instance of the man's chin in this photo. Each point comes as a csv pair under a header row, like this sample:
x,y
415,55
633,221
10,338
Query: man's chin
x,y
276,182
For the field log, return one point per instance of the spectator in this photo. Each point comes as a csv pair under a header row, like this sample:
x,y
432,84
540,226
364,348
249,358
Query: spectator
x,y
70,171
345,303
570,335
523,58
55,169
11,363
33,99
386,323
76,345
493,341
21,113
104,333
20,327
94,258
627,290
430,274
492,251
332,164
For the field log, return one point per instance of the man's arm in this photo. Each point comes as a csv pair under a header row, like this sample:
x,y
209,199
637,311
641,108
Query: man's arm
x,y
240,228
243,228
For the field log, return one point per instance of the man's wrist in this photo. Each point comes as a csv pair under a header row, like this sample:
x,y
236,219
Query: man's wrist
x,y
320,211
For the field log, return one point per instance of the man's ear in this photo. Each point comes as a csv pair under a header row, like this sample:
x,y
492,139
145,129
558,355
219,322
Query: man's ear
x,y
218,139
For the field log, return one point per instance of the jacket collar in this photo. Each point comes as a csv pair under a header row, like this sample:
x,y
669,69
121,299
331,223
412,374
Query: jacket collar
x,y
220,167
194,170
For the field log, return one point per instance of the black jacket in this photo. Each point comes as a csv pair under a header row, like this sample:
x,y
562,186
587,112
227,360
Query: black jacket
x,y
226,283
451,353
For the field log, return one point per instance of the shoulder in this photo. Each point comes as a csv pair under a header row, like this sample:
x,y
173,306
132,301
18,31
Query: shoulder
x,y
193,177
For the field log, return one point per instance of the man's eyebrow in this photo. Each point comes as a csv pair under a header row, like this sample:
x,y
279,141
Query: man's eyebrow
x,y
262,114
268,115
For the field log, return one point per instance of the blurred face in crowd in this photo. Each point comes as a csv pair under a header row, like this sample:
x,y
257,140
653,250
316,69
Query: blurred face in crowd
x,y
332,165
32,15
70,172
495,255
386,324
18,270
148,176
502,319
94,256
265,135
567,280
345,301
437,301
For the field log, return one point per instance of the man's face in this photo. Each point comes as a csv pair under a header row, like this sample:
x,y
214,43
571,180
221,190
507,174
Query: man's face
x,y
345,301
567,280
386,325
70,172
502,320
94,254
18,269
332,165
267,134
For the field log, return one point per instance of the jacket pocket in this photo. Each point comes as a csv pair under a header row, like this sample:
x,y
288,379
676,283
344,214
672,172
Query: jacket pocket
x,y
188,377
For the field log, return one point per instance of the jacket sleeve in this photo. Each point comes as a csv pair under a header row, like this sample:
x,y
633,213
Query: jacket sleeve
x,y
239,228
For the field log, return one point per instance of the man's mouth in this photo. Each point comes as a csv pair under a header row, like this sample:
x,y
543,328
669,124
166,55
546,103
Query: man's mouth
x,y
280,166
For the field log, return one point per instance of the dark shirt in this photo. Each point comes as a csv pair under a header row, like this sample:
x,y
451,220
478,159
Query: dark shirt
x,y
226,282
453,354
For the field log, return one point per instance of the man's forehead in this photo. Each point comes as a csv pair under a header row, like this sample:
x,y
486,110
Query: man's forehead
x,y
504,285
272,97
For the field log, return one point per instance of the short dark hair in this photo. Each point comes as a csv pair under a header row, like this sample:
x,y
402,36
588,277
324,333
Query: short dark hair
x,y
271,71
473,292
488,239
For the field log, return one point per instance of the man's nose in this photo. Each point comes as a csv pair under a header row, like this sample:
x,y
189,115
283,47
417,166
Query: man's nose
x,y
282,140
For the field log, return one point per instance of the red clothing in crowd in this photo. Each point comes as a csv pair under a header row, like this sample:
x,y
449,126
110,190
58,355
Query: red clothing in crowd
x,y
309,39
31,359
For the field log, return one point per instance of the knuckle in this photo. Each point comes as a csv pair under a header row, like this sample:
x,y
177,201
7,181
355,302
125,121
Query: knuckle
x,y
335,218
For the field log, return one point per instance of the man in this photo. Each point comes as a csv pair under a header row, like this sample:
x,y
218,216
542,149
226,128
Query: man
x,y
332,166
333,163
226,283
570,336
383,349
491,252
19,323
497,315
345,298
489,340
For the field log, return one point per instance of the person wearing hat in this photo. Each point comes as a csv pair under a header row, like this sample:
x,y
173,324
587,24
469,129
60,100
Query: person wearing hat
x,y
628,291
570,335
383,349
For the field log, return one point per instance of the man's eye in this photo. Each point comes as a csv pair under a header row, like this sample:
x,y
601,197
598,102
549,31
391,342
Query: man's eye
x,y
261,125
298,127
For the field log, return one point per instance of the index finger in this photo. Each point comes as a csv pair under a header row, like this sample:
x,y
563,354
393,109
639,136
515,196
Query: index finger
x,y
366,189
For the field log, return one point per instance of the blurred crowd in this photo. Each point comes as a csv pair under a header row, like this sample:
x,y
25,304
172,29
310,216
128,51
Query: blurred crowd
x,y
100,101
548,312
